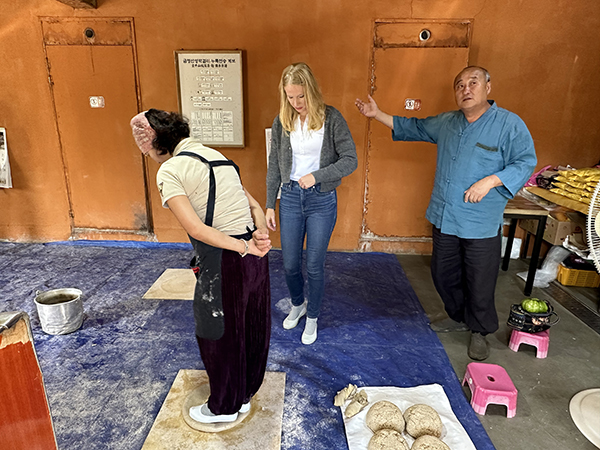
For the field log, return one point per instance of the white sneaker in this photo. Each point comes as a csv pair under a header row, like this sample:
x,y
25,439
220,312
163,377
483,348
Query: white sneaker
x,y
294,316
310,331
245,408
203,414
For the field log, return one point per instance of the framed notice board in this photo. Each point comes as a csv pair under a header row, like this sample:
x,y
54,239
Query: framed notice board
x,y
210,95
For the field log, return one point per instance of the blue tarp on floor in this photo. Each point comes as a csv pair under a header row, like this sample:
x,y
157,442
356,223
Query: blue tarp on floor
x,y
107,381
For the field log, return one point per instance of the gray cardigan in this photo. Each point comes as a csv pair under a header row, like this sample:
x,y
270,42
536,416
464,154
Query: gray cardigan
x,y
338,155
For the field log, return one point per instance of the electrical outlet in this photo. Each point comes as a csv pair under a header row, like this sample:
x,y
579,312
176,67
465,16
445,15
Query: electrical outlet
x,y
412,104
97,101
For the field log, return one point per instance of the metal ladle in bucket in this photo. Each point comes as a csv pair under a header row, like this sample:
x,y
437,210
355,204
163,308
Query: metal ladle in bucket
x,y
60,310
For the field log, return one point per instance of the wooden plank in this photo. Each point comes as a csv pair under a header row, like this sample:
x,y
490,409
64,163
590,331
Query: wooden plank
x,y
26,422
521,206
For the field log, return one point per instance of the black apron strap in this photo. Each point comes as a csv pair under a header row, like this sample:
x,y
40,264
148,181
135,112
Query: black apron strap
x,y
225,162
212,188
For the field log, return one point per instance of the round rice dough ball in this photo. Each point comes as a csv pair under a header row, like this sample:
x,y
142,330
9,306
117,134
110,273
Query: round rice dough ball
x,y
426,442
385,414
387,440
422,419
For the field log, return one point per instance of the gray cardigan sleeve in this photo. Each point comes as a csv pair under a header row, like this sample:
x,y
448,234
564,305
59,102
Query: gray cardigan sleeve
x,y
338,156
273,171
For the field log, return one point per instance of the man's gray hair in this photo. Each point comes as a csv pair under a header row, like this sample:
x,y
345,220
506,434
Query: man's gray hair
x,y
482,69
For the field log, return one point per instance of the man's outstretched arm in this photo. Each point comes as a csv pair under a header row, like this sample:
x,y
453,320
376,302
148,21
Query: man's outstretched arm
x,y
372,111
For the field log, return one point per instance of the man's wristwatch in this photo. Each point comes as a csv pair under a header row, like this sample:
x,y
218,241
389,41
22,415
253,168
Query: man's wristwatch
x,y
246,249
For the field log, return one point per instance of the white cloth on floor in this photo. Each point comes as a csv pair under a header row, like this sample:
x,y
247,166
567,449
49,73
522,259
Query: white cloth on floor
x,y
454,435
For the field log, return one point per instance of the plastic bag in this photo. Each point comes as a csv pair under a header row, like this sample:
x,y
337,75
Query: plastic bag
x,y
533,179
549,271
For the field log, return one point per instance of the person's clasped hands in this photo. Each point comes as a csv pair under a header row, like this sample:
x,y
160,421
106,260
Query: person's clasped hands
x,y
260,243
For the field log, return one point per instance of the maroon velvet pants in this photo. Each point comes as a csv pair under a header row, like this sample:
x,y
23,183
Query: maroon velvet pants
x,y
236,362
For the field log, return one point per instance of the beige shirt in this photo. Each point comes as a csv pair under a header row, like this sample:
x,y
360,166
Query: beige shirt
x,y
185,175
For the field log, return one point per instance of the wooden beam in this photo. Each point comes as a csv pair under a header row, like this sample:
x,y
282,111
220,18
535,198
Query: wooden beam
x,y
87,4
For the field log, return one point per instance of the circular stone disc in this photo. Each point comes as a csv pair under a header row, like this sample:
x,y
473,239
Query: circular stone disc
x,y
199,396
585,410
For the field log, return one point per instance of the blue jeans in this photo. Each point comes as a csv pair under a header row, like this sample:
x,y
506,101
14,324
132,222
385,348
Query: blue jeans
x,y
310,213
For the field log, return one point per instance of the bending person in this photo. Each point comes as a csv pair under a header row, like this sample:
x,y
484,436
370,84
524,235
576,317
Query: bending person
x,y
227,229
311,150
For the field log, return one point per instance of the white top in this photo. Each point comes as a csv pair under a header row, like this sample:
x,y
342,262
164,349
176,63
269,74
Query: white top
x,y
185,175
306,149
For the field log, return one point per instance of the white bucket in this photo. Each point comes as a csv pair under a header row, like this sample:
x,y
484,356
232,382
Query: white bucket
x,y
60,310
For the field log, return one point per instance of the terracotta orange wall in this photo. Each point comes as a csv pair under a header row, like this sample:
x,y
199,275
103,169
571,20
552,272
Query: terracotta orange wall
x,y
543,60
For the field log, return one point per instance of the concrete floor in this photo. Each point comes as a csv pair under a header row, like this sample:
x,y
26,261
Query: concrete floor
x,y
545,385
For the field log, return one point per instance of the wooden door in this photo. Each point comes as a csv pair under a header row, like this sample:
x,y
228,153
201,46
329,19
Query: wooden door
x,y
412,60
91,63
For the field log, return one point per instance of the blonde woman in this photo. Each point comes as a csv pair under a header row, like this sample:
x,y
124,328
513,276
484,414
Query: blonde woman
x,y
311,151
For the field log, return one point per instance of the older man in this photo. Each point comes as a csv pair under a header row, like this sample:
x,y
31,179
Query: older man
x,y
484,156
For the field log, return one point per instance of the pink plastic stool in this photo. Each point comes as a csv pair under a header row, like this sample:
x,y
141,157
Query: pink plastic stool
x,y
540,341
489,383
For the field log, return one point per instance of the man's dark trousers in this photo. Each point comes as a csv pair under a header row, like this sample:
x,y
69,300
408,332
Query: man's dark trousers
x,y
464,272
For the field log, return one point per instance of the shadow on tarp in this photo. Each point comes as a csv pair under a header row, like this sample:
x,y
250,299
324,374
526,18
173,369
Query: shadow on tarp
x,y
107,381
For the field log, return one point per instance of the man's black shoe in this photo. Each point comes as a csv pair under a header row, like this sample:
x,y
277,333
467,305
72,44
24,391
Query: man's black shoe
x,y
448,325
478,347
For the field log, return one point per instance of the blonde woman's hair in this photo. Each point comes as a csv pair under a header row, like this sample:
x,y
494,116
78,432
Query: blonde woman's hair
x,y
299,74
